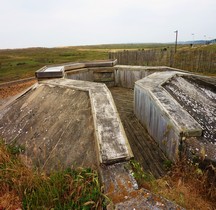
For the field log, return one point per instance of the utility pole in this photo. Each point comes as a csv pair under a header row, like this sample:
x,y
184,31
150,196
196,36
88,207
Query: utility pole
x,y
176,40
193,38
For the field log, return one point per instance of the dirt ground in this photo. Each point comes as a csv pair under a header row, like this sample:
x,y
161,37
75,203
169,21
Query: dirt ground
x,y
13,89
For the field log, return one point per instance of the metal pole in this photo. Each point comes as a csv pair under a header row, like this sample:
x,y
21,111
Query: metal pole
x,y
176,40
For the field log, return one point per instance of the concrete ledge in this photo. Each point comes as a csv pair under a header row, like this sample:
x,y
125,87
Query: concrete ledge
x,y
72,66
166,121
58,71
50,72
111,139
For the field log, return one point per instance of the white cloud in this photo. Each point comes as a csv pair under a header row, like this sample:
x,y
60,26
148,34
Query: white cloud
x,y
68,22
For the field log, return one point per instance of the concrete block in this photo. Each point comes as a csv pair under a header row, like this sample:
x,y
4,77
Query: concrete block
x,y
164,118
50,72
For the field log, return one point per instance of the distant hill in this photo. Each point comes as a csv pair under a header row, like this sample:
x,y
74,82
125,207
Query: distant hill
x,y
213,41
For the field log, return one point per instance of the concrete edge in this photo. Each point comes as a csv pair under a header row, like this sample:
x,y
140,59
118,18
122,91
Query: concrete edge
x,y
41,73
121,126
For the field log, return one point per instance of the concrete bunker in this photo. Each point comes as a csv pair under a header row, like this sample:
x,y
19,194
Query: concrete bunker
x,y
154,105
166,120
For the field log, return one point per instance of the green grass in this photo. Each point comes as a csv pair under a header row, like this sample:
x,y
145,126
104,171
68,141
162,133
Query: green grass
x,y
127,46
22,187
22,63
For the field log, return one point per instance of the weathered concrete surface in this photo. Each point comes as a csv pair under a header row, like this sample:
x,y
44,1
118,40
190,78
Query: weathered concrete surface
x,y
101,71
49,101
145,149
111,139
163,117
54,124
122,189
198,97
126,76
198,100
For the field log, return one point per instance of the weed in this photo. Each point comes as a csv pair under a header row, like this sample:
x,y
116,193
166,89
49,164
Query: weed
x,y
24,188
167,164
15,149
187,184
143,178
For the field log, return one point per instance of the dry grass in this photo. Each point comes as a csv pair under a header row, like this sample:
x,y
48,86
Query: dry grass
x,y
23,188
186,184
190,186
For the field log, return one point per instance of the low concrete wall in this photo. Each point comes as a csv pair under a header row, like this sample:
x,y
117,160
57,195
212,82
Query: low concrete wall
x,y
106,72
95,74
126,76
120,75
80,74
163,117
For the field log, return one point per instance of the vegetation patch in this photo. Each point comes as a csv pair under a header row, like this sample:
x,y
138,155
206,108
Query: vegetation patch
x,y
186,184
24,188
22,63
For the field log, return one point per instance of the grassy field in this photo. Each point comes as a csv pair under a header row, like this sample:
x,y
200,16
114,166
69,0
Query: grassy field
x,y
22,63
186,184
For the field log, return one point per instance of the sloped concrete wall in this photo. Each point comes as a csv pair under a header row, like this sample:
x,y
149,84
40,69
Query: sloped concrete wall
x,y
157,122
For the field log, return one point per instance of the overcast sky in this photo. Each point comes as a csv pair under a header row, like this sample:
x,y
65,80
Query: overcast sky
x,y
50,23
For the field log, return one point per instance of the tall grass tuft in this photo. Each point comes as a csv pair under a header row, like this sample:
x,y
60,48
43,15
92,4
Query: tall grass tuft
x,y
23,188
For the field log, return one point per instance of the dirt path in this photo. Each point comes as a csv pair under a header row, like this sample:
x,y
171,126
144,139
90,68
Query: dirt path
x,y
12,88
145,149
